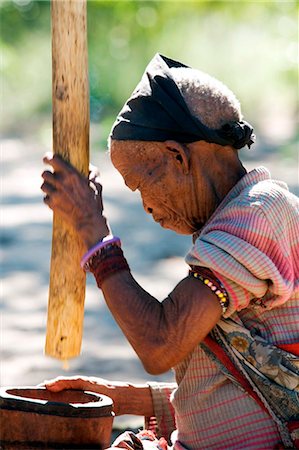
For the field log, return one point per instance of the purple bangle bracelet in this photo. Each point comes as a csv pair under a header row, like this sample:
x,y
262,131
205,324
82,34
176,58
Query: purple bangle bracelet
x,y
96,248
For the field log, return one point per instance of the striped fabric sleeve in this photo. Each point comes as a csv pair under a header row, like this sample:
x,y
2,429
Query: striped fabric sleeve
x,y
164,411
243,252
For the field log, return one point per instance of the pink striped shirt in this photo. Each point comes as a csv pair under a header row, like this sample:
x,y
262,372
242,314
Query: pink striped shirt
x,y
252,245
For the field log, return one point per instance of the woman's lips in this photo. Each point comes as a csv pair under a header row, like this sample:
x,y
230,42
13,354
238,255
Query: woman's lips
x,y
159,220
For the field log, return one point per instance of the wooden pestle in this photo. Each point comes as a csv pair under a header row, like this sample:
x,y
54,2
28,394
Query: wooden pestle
x,y
70,96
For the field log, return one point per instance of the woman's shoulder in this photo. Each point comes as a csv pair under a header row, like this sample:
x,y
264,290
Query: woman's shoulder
x,y
266,195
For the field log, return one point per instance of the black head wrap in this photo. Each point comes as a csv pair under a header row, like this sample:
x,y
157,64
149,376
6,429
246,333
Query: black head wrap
x,y
157,111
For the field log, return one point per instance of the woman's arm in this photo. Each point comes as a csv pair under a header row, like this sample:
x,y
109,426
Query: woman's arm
x,y
162,334
128,398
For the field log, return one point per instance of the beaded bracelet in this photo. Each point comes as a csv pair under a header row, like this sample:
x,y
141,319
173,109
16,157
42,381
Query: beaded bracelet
x,y
108,262
208,278
97,248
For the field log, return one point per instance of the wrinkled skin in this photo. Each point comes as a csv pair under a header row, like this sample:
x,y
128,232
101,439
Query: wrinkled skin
x,y
127,398
181,186
77,199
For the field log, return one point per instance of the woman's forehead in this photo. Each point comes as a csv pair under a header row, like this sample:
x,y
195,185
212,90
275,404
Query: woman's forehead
x,y
133,153
134,159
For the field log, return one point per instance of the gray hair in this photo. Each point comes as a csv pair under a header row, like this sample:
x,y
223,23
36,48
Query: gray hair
x,y
213,103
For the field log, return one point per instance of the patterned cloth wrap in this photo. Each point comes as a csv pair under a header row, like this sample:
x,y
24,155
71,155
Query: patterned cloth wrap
x,y
145,439
272,372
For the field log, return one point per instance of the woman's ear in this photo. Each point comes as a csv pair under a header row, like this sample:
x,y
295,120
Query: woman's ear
x,y
181,153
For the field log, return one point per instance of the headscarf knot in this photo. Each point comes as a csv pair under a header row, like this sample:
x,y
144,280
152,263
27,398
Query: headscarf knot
x,y
238,133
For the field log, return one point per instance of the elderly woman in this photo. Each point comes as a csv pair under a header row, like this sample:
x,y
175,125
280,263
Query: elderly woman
x,y
229,329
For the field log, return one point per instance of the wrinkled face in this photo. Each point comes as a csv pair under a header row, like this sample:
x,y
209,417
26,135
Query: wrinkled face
x,y
157,174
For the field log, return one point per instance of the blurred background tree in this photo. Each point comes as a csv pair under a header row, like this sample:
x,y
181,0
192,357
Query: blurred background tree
x,y
250,45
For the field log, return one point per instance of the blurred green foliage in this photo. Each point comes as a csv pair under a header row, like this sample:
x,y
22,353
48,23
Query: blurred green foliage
x,y
250,45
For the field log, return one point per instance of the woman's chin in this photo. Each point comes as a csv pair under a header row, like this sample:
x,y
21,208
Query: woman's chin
x,y
181,228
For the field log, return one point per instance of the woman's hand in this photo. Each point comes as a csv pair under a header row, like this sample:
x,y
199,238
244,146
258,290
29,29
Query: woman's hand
x,y
127,398
99,385
77,199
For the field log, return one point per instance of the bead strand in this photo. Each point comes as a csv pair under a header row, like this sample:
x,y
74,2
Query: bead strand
x,y
220,292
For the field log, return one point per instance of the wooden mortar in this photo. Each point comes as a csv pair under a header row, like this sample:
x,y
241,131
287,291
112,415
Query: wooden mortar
x,y
33,417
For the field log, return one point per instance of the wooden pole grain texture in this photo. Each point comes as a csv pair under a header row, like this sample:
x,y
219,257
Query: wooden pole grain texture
x,y
70,96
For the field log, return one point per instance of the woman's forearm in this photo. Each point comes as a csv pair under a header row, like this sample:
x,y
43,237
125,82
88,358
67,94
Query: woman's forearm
x,y
127,398
135,399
